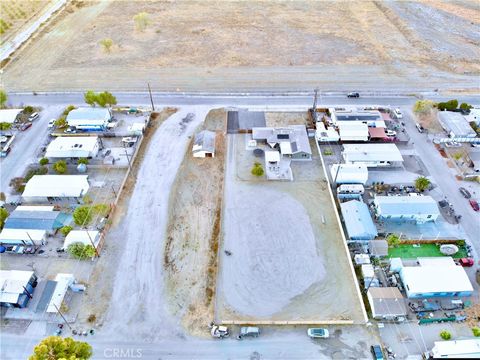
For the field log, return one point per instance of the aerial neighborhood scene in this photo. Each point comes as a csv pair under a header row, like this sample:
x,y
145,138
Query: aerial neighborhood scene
x,y
243,179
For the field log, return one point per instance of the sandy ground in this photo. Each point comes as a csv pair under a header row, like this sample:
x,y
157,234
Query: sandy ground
x,y
288,261
193,230
244,45
275,119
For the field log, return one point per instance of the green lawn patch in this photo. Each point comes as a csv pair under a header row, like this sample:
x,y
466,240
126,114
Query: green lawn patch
x,y
407,251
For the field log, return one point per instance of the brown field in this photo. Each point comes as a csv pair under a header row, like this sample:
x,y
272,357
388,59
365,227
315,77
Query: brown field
x,y
232,45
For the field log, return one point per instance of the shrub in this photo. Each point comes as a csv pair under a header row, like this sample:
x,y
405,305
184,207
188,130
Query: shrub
x,y
87,199
141,21
65,230
422,183
28,109
90,97
92,318
81,251
18,184
106,44
393,240
4,126
423,106
82,161
68,109
327,152
61,122
465,106
42,170
3,216
476,331
60,167
3,98
43,161
82,215
105,98
257,169
445,335
101,209
450,105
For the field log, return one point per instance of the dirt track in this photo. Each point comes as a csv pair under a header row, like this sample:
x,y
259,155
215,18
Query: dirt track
x,y
255,45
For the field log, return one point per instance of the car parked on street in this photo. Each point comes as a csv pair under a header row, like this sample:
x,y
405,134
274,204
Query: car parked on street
x,y
70,130
25,126
391,133
419,127
397,113
248,331
33,116
51,123
377,352
318,333
466,194
474,205
466,262
353,95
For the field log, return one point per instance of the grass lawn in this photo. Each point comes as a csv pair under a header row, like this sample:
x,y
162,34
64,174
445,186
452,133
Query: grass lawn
x,y
407,251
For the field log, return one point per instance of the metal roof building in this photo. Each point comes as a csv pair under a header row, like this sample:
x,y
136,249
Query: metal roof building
x,y
36,220
73,147
455,124
204,144
9,115
23,237
349,173
457,349
372,155
386,303
369,117
89,118
358,221
407,208
435,277
44,187
15,287
353,131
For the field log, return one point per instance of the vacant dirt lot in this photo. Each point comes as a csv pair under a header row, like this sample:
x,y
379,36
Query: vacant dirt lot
x,y
193,232
223,45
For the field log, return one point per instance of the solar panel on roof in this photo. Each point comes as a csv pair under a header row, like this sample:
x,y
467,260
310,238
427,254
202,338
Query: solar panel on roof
x,y
283,136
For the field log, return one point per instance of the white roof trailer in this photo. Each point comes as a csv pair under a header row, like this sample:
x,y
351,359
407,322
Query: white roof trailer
x,y
73,147
457,349
349,173
86,118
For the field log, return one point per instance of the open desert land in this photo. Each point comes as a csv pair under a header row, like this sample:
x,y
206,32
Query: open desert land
x,y
288,259
274,45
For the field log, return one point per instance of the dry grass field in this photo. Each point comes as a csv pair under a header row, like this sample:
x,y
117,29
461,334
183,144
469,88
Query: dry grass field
x,y
192,45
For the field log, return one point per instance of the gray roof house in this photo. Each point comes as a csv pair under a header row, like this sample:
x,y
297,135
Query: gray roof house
x,y
292,141
386,303
204,144
419,209
455,124
358,221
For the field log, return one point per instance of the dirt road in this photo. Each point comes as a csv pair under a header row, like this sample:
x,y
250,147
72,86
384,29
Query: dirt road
x,y
218,46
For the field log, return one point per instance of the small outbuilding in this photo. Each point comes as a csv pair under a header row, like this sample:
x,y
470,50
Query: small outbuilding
x,y
456,349
204,144
455,124
420,209
73,147
45,188
386,303
358,221
17,287
323,134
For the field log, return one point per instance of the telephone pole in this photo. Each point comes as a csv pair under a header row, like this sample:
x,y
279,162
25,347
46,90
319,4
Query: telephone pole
x,y
151,98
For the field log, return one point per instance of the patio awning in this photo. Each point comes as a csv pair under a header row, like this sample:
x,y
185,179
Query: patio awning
x,y
377,132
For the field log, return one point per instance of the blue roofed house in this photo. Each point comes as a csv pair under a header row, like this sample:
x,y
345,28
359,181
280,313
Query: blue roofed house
x,y
358,221
419,209
29,218
89,118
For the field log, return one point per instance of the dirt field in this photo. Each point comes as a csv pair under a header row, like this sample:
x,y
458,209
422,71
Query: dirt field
x,y
193,232
275,119
288,259
219,45
16,13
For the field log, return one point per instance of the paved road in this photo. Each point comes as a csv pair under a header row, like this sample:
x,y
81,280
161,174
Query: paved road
x,y
25,147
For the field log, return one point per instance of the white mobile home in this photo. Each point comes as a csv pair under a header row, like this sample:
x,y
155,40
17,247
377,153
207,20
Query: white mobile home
x,y
455,124
45,188
27,237
420,209
372,155
9,116
349,173
457,349
353,131
16,287
73,147
323,134
87,118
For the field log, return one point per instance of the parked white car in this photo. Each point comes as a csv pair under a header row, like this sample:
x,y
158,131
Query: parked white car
x,y
33,116
318,333
51,123
391,133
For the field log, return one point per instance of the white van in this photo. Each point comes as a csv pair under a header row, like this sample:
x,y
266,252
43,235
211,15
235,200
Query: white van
x,y
398,114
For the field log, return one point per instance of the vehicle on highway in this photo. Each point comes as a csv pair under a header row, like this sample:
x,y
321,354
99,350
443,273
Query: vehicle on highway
x,y
353,95
419,127
466,262
318,333
248,331
398,114
51,123
391,133
474,205
25,126
466,194
33,116
377,352
452,144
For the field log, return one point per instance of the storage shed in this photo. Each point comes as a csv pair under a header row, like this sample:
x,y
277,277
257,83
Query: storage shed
x,y
73,147
358,222
386,303
353,131
37,220
44,188
204,144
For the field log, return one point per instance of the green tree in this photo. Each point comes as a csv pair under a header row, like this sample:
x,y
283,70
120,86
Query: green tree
x,y
3,216
451,104
28,109
68,109
101,209
61,122
257,169
106,44
105,98
57,348
445,335
43,161
3,98
81,251
476,331
82,215
141,20
423,107
4,126
60,167
90,97
422,183
82,161
65,230
465,106
393,240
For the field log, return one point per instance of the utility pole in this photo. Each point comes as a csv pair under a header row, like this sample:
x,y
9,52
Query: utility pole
x,y
151,98
315,100
93,244
65,320
128,158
